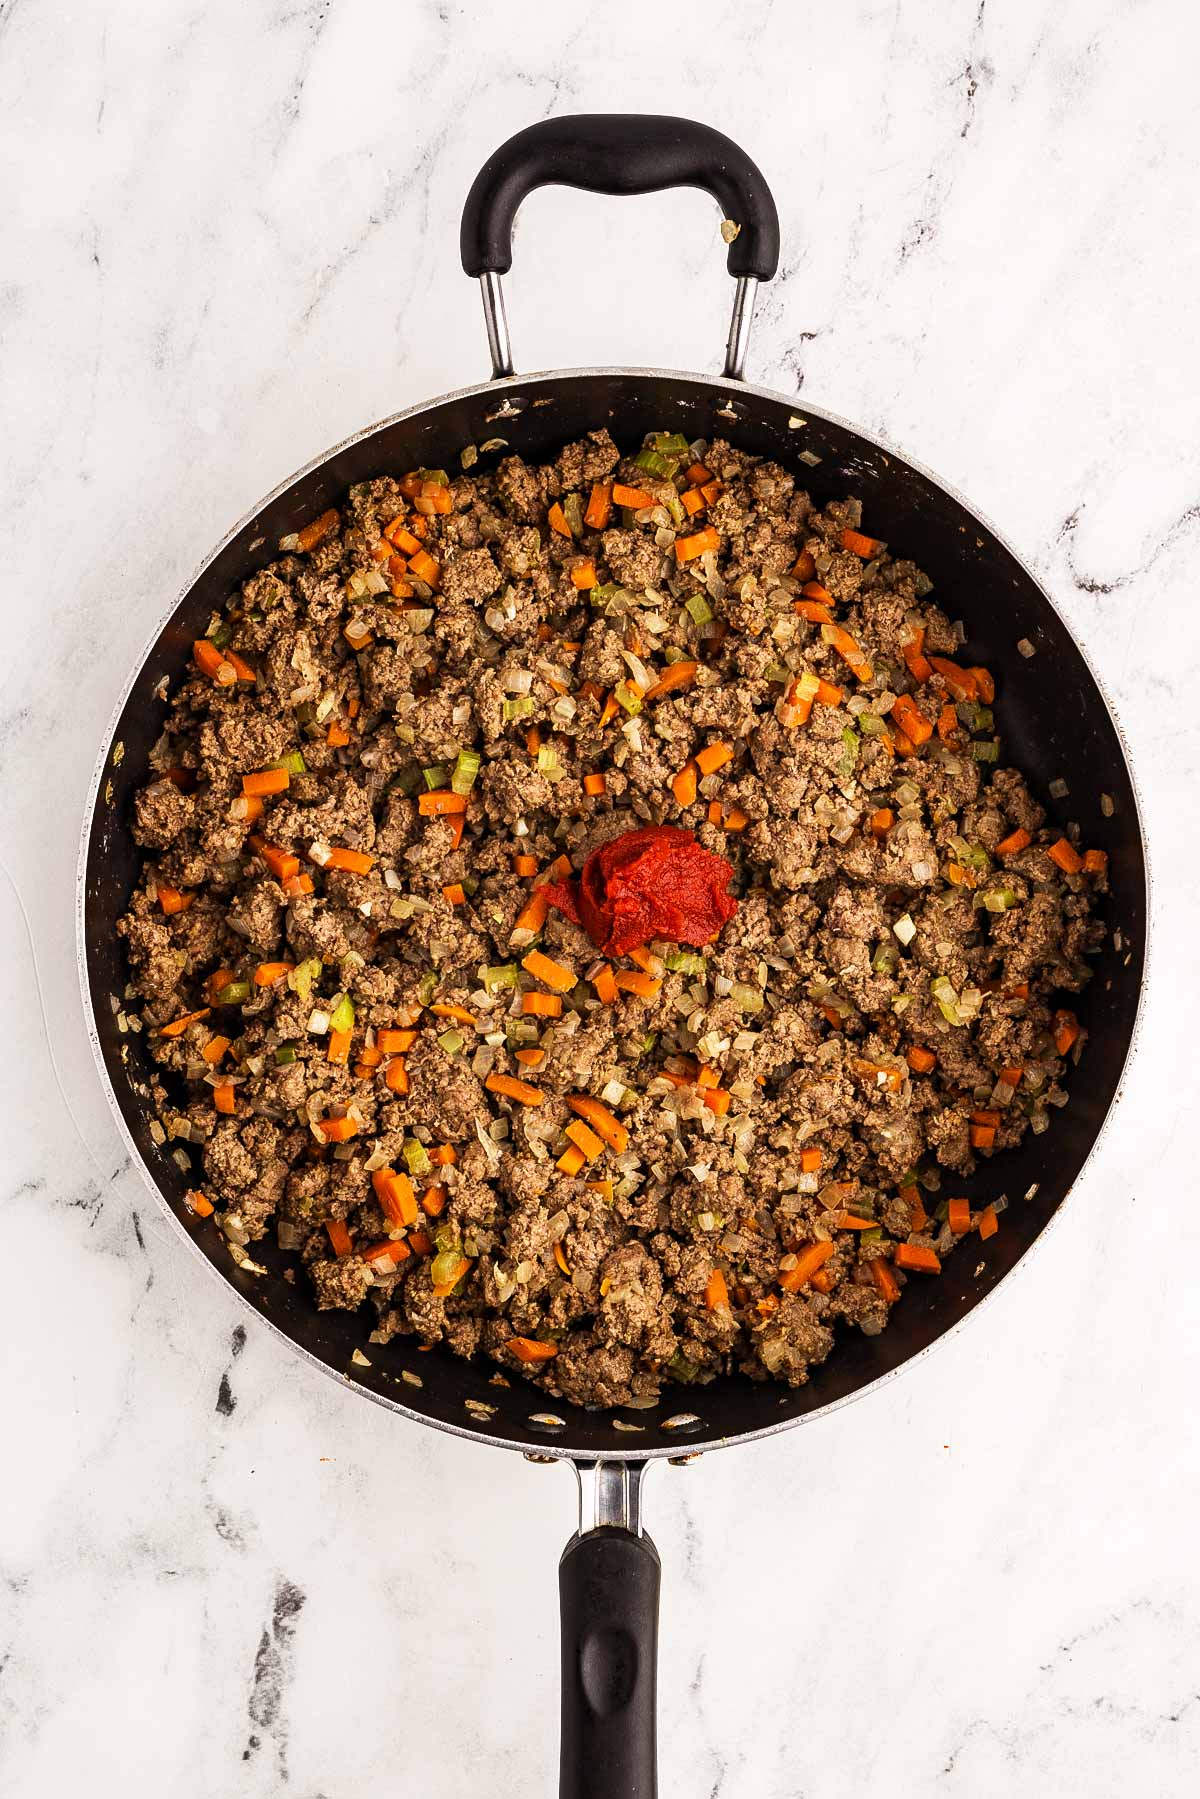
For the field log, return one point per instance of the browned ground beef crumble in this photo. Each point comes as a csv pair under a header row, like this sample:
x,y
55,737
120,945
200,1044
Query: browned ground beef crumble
x,y
806,1006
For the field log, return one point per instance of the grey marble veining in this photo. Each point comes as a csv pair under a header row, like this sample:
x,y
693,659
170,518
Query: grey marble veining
x,y
229,238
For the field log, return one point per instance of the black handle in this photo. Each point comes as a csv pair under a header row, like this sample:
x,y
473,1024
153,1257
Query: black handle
x,y
619,153
608,1597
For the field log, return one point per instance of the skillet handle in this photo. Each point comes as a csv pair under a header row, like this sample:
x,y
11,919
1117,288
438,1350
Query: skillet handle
x,y
618,153
608,1582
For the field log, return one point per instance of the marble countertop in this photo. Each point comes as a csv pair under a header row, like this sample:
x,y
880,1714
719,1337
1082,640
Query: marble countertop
x,y
230,238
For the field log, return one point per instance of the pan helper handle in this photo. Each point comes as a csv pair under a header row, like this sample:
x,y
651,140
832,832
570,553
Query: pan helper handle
x,y
619,153
608,1582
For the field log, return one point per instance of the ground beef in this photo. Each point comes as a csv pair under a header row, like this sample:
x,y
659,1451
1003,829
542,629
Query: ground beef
x,y
342,978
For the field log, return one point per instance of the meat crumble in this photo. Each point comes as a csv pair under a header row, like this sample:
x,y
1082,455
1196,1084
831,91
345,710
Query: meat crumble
x,y
392,1045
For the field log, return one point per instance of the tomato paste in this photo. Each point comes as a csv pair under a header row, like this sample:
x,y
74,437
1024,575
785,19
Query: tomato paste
x,y
655,883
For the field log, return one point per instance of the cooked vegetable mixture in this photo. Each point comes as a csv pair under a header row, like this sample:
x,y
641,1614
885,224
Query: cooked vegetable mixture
x,y
587,918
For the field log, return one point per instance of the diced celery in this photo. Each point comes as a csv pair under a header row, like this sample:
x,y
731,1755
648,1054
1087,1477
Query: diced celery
x,y
451,1042
233,993
521,707
684,962
698,609
416,1156
302,977
436,776
466,768
627,694
342,1016
294,763
284,1054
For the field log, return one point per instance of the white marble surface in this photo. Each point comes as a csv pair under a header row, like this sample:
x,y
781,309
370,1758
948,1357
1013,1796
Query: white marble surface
x,y
228,237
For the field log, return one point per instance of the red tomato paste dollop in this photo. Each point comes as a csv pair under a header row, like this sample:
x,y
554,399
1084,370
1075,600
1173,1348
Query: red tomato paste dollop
x,y
655,883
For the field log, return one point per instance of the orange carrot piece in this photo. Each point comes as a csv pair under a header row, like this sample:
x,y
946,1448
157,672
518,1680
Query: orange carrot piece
x,y
636,498
172,900
1095,862
267,973
599,506
214,1049
606,1124
542,1005
454,894
698,475
338,1049
1066,1031
827,694
1066,856
224,1099
178,1026
594,785
339,1237
530,1058
584,1138
692,501
1016,840
859,544
688,548
917,1259
337,1130
989,1224
391,1042
557,520
265,781
917,1215
530,1350
199,1203
920,1059
444,1155
510,1088
420,1242
281,863
440,802
399,534
317,531
247,809
604,981
947,724
679,674
960,681
210,662
716,1291
814,611
885,1281
916,661
532,916
714,756
394,1191
985,684
571,1160
554,975
337,737
423,566
636,981
353,862
583,576
609,711
882,820
434,1199
810,1161
525,865
804,568
806,1265
958,1216
850,652
684,785
718,1101
912,720
714,812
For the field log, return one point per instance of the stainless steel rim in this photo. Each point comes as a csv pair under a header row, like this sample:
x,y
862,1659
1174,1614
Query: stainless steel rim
x,y
551,1450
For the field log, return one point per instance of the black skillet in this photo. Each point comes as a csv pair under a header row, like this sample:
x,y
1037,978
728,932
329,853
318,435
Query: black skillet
x,y
1055,723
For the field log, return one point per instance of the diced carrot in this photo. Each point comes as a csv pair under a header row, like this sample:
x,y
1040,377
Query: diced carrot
x,y
558,521
958,1216
698,475
636,498
199,1203
714,812
813,590
882,821
439,802
804,568
860,545
317,531
281,863
1012,1076
433,1200
1066,856
532,915
599,506
911,719
960,681
178,1026
684,785
337,1130
1066,1032
677,675
571,1160
265,781
395,1076
847,1221
1095,862
606,1124
902,745
604,981
510,1088
850,652
554,975
214,1049
542,1005
735,819
583,576
443,1289
394,1191
636,981
810,1161
917,662
210,662
454,894
920,1059
917,1216
610,709
339,1237
420,1242
692,501
594,785
688,548
530,1350
1020,991
713,756
337,737
885,1280
985,684
947,724
423,566
530,1058
391,1249
989,1224
241,669
391,1042
814,611
525,865
827,694
224,1099
353,862
716,1291
444,1155
456,827
247,809
267,973
338,1049
172,900
806,1264
718,1101
1016,840
370,1056
584,1138
399,534
917,1259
